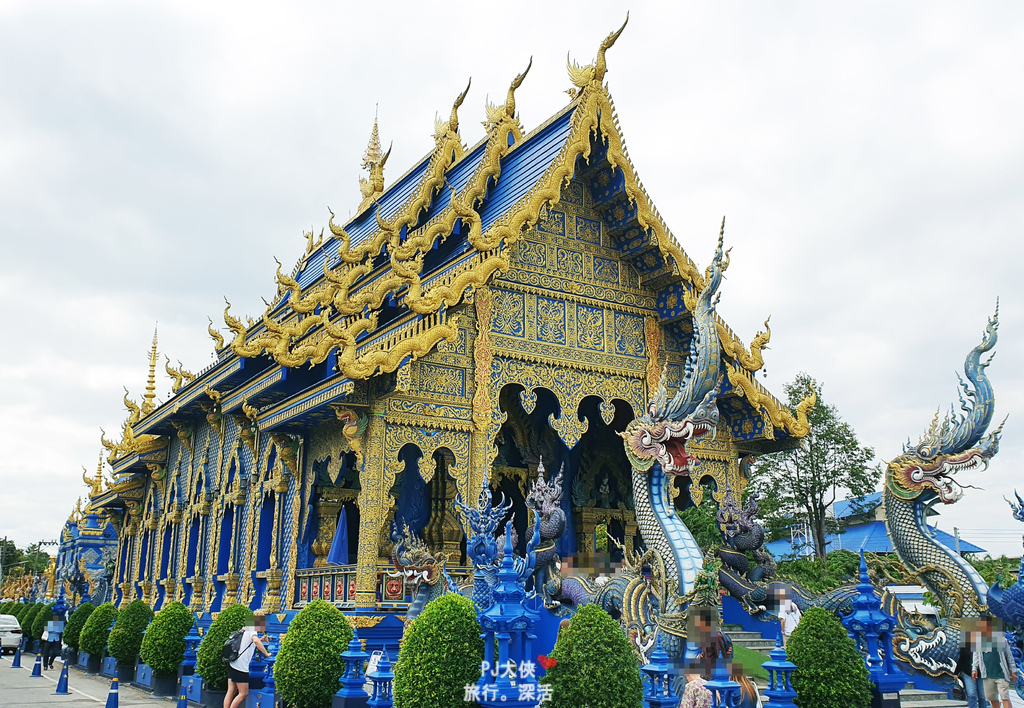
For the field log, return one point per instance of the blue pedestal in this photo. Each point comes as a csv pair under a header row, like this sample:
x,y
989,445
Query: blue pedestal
x,y
109,667
83,660
144,677
261,699
192,687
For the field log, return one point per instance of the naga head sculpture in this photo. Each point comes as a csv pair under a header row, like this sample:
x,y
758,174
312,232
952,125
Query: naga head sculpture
x,y
483,520
955,444
661,434
545,497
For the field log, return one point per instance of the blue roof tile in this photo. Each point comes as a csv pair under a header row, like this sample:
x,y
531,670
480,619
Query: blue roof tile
x,y
871,536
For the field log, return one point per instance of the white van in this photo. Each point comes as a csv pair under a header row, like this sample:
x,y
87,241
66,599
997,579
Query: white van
x,y
10,634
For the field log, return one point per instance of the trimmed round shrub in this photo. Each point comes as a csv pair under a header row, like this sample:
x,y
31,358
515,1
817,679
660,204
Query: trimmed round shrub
x,y
28,620
96,630
596,667
441,653
44,615
125,638
209,664
73,629
830,672
163,646
309,664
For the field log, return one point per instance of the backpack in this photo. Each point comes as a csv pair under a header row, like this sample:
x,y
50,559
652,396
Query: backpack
x,y
232,647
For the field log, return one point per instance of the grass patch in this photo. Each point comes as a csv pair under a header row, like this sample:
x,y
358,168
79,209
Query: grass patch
x,y
751,661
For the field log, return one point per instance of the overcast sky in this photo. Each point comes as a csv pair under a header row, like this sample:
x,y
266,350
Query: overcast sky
x,y
155,157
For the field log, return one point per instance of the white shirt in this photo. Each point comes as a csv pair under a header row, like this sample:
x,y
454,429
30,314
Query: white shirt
x,y
790,618
247,649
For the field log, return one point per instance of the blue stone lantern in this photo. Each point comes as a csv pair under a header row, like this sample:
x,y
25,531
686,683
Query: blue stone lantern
x,y
725,693
780,677
273,645
382,679
872,630
188,661
659,673
353,679
510,623
60,607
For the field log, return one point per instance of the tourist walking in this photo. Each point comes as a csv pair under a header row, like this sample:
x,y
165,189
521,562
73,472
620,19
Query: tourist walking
x,y
993,662
238,669
789,617
974,688
51,640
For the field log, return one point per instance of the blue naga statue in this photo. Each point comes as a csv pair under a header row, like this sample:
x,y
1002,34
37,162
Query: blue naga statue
x,y
1008,604
922,476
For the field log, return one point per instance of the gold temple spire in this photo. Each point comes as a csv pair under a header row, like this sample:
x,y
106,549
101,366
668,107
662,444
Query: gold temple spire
x,y
373,160
148,404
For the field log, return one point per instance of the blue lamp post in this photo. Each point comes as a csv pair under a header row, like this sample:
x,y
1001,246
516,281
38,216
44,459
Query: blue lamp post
x,y
352,680
188,661
872,629
780,677
508,622
659,672
382,680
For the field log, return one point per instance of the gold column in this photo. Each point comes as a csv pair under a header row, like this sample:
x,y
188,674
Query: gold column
x,y
375,481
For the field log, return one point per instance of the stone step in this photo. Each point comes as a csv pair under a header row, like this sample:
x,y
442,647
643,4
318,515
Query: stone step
x,y
921,699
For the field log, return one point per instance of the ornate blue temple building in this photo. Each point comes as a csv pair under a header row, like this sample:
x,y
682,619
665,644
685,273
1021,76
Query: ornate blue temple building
x,y
496,304
87,552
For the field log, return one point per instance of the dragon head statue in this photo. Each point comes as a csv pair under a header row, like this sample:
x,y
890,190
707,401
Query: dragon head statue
x,y
661,434
955,444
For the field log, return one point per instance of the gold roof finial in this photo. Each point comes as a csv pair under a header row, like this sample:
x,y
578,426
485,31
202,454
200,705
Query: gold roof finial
x,y
373,155
373,161
583,76
95,484
510,101
148,404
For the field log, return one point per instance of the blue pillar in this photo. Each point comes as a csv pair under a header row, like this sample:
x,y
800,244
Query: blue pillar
x,y
725,693
192,639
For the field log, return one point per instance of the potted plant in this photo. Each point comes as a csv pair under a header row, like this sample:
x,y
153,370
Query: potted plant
x,y
126,638
309,663
592,656
73,629
93,640
441,653
208,659
163,647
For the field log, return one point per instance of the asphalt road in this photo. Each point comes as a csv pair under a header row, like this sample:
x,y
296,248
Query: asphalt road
x,y
19,690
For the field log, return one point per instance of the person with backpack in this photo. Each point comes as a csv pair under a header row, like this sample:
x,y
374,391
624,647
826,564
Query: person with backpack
x,y
238,651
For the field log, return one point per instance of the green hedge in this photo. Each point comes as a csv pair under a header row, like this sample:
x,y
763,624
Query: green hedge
x,y
97,629
163,647
830,672
28,621
441,653
309,664
44,615
594,657
73,629
125,638
209,664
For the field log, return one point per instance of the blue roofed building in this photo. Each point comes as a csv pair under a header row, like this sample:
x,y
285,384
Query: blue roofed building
x,y
863,528
500,303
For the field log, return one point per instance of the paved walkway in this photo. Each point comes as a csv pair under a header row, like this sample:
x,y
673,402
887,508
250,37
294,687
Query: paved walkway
x,y
20,690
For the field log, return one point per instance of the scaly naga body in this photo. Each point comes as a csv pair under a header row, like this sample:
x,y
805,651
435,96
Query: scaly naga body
x,y
919,478
1007,603
656,442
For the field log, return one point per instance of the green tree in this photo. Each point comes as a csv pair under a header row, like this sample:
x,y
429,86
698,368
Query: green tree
x,y
805,480
44,615
163,646
701,520
830,672
125,638
97,629
208,658
36,559
73,630
441,653
309,664
596,667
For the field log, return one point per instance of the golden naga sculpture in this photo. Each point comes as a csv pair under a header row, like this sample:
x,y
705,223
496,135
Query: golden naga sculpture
x,y
584,76
498,114
450,128
733,348
217,336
